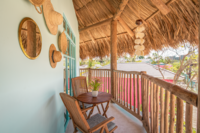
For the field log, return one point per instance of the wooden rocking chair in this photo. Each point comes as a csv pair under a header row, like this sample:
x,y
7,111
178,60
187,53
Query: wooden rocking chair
x,y
79,86
96,124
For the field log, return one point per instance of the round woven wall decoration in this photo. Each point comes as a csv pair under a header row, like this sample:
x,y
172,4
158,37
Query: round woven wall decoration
x,y
62,42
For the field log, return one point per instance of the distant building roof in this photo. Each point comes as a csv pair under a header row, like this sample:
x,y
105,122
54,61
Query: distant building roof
x,y
149,68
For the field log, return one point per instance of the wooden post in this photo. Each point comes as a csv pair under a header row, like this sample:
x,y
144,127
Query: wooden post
x,y
31,39
172,113
113,64
162,110
166,117
188,118
154,109
179,118
89,76
198,111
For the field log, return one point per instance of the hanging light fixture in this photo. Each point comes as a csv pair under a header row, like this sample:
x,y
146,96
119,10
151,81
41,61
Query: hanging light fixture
x,y
139,35
139,22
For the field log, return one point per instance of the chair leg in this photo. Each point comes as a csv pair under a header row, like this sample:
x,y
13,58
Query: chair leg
x,y
75,129
106,129
98,109
91,111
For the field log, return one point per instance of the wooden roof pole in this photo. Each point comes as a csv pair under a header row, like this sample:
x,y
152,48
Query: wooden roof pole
x,y
198,111
78,17
125,26
118,13
93,39
122,5
109,6
105,22
113,51
155,13
164,9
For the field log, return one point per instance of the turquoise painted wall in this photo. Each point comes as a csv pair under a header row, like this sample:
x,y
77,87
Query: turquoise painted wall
x,y
29,89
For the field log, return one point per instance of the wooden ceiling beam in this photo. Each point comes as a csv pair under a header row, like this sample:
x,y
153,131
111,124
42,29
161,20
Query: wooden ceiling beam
x,y
84,4
109,6
121,8
164,9
125,26
105,22
78,17
93,39
107,37
155,13
121,21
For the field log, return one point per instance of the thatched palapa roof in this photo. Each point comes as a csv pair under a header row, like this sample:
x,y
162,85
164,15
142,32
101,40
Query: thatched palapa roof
x,y
167,23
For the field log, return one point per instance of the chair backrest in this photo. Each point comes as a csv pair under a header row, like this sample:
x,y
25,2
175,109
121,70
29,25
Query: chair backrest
x,y
74,110
79,86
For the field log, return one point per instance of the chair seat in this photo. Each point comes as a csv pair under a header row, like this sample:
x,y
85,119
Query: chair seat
x,y
96,119
86,105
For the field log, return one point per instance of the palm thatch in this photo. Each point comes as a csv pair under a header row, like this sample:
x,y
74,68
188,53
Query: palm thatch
x,y
178,26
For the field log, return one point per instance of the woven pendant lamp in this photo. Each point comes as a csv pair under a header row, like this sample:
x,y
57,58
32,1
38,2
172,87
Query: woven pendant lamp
x,y
139,35
37,3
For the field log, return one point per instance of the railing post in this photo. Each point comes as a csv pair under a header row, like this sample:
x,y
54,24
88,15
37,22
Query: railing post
x,y
198,111
113,48
89,77
144,101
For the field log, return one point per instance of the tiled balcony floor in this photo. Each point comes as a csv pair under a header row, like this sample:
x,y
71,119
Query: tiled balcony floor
x,y
126,122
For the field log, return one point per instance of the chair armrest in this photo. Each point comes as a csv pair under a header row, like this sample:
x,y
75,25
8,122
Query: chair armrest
x,y
84,110
100,125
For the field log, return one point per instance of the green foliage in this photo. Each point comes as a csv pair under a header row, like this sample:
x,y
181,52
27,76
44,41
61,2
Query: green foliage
x,y
139,61
141,57
167,60
106,62
95,84
133,59
81,63
90,64
175,66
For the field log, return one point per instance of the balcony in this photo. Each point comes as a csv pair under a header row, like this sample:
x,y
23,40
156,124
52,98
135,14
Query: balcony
x,y
144,103
125,121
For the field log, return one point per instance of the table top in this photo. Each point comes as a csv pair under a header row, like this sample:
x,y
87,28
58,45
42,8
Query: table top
x,y
101,98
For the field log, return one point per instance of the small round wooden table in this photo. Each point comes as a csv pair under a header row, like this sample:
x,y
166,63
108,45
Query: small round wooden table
x,y
100,99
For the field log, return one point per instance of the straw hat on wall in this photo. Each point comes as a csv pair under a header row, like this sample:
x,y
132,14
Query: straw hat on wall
x,y
54,56
52,18
38,3
62,42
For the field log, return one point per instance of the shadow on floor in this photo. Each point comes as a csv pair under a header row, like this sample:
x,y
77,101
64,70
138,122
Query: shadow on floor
x,y
126,122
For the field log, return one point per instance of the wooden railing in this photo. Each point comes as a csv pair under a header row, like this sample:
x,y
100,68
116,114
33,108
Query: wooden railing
x,y
127,92
103,74
157,103
163,106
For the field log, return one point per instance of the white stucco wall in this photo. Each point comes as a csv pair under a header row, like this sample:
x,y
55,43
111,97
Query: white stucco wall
x,y
29,89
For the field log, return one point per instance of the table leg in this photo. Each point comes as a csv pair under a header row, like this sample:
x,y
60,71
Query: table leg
x,y
106,109
91,111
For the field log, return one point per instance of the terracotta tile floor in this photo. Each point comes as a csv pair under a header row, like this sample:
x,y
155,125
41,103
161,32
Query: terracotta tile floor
x,y
126,122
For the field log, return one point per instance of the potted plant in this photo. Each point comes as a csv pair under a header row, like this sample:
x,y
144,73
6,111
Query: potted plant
x,y
95,84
